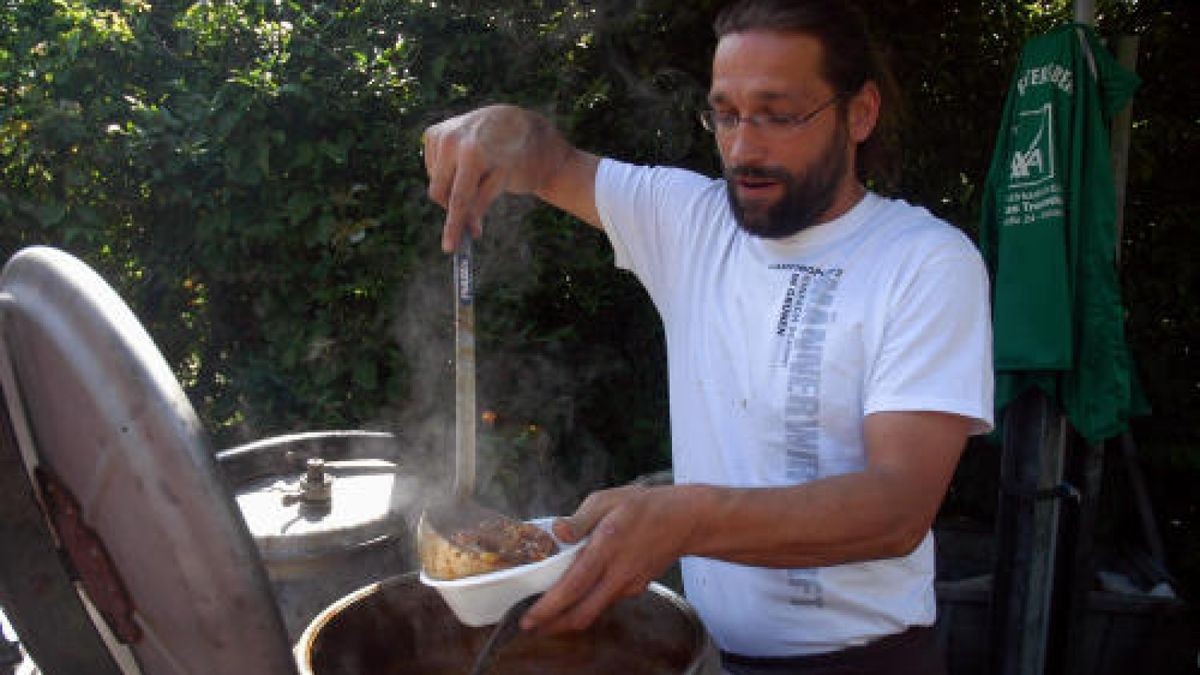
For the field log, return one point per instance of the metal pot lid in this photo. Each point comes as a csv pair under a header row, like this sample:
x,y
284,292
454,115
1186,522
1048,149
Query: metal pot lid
x,y
332,506
125,473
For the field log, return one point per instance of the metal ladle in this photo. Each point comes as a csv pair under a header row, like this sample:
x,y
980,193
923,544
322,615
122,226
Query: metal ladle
x,y
464,371
447,515
442,518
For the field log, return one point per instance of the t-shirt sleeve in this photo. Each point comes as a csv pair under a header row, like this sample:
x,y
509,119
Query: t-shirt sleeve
x,y
935,351
649,214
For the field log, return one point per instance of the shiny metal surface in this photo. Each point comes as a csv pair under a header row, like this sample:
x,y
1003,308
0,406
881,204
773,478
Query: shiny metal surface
x,y
99,407
316,551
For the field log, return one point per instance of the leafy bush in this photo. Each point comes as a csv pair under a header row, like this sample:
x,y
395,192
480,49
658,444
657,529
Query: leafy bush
x,y
248,174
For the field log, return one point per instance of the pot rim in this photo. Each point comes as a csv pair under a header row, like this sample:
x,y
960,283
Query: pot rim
x,y
703,650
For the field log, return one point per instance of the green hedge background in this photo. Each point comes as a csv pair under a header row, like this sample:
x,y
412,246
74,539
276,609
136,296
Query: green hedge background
x,y
247,174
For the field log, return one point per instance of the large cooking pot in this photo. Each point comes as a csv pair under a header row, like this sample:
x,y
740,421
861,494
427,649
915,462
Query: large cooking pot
x,y
400,626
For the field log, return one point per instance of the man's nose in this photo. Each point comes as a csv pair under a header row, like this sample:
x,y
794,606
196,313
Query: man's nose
x,y
744,144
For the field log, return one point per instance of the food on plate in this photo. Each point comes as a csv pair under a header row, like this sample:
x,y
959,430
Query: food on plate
x,y
491,544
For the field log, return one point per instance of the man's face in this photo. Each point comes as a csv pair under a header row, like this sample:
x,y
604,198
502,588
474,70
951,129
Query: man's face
x,y
780,180
806,197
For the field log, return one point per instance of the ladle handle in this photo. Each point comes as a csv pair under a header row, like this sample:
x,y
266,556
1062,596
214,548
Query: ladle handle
x,y
464,370
506,629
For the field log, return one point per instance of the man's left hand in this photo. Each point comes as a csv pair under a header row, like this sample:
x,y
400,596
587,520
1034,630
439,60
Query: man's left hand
x,y
636,533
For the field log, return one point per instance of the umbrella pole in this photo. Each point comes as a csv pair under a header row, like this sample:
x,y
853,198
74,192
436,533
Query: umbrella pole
x,y
1085,11
1091,460
1127,52
1027,517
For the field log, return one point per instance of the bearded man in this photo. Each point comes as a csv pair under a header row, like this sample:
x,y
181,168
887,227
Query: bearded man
x,y
829,352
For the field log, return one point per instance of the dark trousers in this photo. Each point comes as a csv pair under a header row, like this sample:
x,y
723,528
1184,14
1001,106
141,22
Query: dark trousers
x,y
913,652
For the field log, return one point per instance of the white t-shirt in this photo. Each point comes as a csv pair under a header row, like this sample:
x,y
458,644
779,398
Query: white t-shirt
x,y
777,350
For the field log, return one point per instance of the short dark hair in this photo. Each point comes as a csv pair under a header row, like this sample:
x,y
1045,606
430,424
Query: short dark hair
x,y
851,59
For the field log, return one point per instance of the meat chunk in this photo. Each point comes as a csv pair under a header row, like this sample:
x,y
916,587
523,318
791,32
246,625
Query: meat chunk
x,y
515,543
490,544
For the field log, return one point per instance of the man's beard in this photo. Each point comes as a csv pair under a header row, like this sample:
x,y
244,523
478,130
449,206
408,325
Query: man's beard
x,y
804,199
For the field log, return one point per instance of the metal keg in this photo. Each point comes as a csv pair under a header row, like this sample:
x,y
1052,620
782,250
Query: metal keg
x,y
329,512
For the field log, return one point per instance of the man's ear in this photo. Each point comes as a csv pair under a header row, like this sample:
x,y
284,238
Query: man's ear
x,y
863,112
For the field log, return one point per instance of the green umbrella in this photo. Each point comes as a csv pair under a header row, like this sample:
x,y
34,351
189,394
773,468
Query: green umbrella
x,y
1048,235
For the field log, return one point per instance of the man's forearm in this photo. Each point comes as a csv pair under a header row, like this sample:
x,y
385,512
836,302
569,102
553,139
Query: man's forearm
x,y
883,511
572,186
831,521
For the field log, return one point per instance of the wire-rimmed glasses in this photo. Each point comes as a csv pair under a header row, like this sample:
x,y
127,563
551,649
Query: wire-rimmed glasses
x,y
716,121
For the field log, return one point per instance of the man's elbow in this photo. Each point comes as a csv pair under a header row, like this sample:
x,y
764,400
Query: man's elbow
x,y
903,537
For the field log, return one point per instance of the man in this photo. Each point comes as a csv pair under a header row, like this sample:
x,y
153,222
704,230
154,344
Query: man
x,y
828,353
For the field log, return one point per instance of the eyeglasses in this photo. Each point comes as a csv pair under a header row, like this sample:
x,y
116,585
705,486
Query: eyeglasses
x,y
716,121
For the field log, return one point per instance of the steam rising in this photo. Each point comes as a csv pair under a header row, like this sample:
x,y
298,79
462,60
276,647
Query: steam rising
x,y
525,395
527,392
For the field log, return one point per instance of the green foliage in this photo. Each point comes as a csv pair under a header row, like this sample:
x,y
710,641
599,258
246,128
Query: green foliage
x,y
209,158
248,174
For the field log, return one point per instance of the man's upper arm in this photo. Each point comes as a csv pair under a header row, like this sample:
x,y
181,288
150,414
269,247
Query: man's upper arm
x,y
573,187
919,450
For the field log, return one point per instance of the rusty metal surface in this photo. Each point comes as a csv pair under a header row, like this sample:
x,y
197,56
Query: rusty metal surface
x,y
36,592
105,414
91,561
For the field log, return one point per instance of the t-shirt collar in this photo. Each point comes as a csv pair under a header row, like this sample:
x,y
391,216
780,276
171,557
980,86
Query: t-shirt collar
x,y
825,233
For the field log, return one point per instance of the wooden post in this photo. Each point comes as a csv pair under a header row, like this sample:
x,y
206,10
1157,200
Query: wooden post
x,y
1141,496
1031,468
1082,563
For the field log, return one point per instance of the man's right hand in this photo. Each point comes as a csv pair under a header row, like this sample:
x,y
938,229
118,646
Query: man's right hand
x,y
473,158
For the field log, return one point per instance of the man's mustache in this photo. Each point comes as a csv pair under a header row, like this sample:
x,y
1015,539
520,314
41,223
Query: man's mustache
x,y
758,172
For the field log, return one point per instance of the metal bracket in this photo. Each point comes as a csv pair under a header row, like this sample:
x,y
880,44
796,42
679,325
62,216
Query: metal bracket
x,y
1063,490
